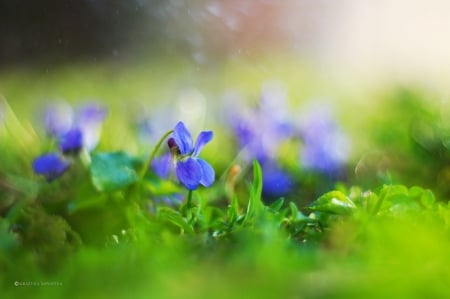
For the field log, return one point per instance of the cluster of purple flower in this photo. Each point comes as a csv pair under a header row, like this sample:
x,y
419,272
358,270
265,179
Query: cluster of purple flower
x,y
326,147
262,129
259,131
73,131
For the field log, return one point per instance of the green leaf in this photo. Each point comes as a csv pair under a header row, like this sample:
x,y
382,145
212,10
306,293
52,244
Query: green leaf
x,y
276,205
255,204
233,210
294,210
424,196
296,215
334,202
112,171
257,180
172,216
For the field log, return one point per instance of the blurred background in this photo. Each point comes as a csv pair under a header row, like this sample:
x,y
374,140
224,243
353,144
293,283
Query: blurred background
x,y
402,40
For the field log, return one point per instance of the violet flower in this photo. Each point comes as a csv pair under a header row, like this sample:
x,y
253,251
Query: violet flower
x,y
191,170
162,166
326,147
89,119
58,118
75,130
261,130
276,182
50,165
71,141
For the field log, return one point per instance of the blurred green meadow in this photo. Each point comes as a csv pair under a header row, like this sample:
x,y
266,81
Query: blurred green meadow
x,y
379,230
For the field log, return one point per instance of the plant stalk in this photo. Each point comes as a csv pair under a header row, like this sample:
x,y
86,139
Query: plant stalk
x,y
152,155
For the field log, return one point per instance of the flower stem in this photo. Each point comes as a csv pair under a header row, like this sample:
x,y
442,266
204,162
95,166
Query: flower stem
x,y
189,200
152,155
188,207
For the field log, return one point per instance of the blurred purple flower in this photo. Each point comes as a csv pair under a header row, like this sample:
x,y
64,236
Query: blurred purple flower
x,y
50,165
58,118
326,147
71,141
276,182
89,119
191,170
162,166
75,130
261,130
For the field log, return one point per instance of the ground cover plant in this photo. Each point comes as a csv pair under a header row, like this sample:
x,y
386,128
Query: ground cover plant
x,y
245,191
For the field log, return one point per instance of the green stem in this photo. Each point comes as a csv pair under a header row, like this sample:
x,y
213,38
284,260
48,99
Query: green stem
x,y
189,205
189,200
152,155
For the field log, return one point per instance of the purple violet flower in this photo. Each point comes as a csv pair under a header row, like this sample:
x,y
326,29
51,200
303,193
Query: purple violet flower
x,y
162,166
71,141
326,147
50,165
58,118
75,130
89,119
261,130
191,170
276,182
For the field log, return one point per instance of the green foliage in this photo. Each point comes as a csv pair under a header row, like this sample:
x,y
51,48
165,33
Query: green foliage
x,y
112,171
334,202
255,204
173,217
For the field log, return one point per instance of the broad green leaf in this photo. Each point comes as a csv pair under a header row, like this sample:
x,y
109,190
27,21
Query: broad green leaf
x,y
426,197
296,215
389,192
112,171
334,202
